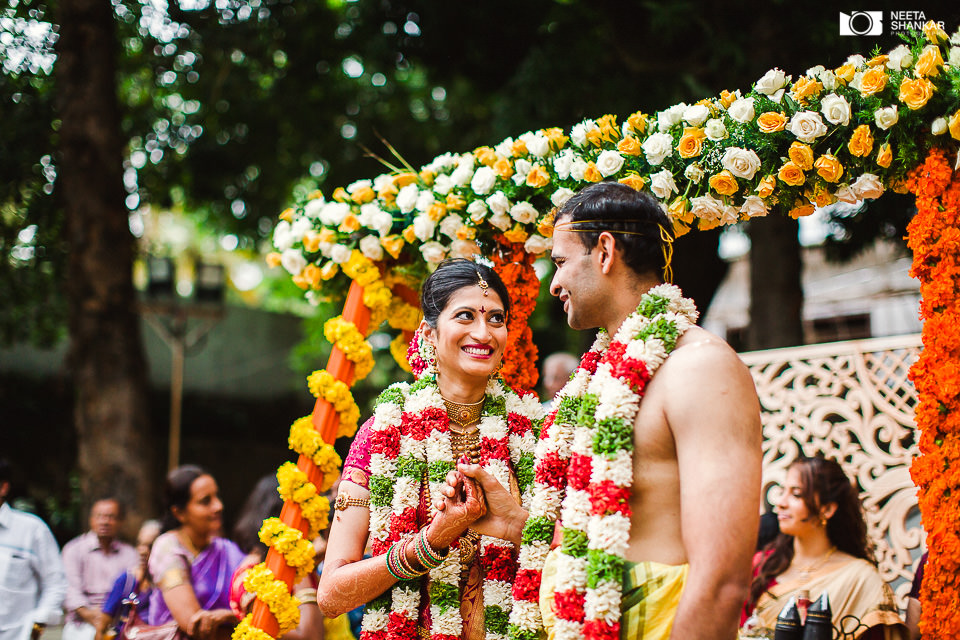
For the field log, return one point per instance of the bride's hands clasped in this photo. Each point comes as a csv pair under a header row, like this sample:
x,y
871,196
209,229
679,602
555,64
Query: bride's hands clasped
x,y
461,506
502,517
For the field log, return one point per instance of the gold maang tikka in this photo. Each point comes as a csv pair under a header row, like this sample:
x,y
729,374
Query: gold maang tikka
x,y
482,284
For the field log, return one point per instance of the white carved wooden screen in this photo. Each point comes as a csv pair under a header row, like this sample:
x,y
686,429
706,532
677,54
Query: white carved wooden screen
x,y
850,401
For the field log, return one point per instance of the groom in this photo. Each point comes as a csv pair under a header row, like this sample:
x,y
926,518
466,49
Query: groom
x,y
696,439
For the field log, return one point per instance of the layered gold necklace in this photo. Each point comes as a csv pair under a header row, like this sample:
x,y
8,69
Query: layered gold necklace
x,y
465,440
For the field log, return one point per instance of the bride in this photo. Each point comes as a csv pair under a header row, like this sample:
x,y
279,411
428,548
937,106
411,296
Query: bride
x,y
430,572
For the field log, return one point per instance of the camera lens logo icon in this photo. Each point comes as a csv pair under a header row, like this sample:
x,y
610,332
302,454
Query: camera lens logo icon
x,y
861,23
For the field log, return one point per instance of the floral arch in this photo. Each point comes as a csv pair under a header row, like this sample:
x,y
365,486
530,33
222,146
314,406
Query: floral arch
x,y
784,147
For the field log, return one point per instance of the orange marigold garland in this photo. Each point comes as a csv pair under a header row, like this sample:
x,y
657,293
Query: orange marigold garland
x,y
515,267
934,238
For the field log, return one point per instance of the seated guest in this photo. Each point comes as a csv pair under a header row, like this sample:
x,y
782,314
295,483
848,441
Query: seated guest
x,y
133,584
913,600
822,548
190,563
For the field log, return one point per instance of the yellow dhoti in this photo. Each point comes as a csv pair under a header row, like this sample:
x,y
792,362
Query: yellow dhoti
x,y
651,594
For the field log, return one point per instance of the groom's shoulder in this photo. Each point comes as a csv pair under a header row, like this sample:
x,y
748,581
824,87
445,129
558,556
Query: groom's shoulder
x,y
699,352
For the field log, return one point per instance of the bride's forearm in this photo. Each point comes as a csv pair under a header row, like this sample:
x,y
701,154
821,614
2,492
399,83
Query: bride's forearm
x,y
350,585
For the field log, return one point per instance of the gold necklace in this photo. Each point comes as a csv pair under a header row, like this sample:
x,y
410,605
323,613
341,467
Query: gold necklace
x,y
807,571
464,414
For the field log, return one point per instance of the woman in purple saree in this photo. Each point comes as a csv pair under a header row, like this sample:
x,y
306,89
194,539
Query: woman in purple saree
x,y
190,563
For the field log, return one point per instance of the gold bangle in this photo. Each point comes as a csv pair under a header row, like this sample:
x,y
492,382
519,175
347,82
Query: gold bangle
x,y
306,596
343,501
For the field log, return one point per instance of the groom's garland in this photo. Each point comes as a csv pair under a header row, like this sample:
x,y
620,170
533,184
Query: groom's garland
x,y
411,441
586,453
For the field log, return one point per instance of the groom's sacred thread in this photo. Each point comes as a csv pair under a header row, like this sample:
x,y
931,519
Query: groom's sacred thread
x,y
665,237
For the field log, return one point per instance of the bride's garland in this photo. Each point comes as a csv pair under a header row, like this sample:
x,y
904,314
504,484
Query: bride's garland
x,y
586,453
410,441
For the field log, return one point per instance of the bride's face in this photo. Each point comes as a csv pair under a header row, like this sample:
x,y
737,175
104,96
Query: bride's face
x,y
470,335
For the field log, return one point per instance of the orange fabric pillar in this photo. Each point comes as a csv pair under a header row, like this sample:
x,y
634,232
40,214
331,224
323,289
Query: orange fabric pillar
x,y
326,421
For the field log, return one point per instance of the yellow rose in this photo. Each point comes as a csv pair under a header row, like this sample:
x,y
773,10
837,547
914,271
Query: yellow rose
x,y
538,177
845,72
800,209
592,174
633,181
638,122
861,142
829,167
329,270
766,186
311,274
878,61
340,195
517,234
315,194
518,148
955,125
350,224
503,168
691,142
609,130
485,156
363,195
724,183
899,186
388,191
311,241
409,235
873,81
466,233
884,155
805,88
934,33
801,155
629,146
557,140
915,92
791,174
273,259
455,202
820,196
328,235
771,121
287,214
929,62
545,226
427,177
727,98
679,210
300,281
436,211
392,244
679,228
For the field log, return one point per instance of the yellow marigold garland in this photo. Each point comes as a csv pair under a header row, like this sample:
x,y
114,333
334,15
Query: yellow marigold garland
x,y
403,316
398,349
275,594
297,551
323,385
246,631
305,440
346,337
294,485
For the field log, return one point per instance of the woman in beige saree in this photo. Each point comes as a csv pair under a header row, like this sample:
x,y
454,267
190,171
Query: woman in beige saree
x,y
822,548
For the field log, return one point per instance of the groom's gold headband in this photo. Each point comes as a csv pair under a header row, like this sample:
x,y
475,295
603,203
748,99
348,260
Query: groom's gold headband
x,y
666,240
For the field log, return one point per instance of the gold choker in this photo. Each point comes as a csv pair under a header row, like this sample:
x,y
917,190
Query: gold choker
x,y
464,414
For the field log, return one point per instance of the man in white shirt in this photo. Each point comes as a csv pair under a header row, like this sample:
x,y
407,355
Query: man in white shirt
x,y
32,582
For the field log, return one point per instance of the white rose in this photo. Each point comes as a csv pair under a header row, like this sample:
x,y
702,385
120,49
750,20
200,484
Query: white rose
x,y
657,147
662,184
742,110
671,116
498,202
370,247
953,58
867,187
578,134
715,129
505,148
433,252
537,144
939,127
815,71
693,173
300,227
856,60
425,200
340,253
464,248
523,212
706,207
835,109
359,184
886,117
609,162
442,162
462,176
450,224
477,210
845,194
407,198
500,220
771,82
382,222
293,261
753,207
537,244
443,184
696,115
578,168
562,163
423,227
313,207
560,196
282,236
807,126
521,168
333,213
857,82
483,180
899,58
829,80
742,163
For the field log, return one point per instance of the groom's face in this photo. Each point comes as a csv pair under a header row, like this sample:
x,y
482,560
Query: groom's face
x,y
576,280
